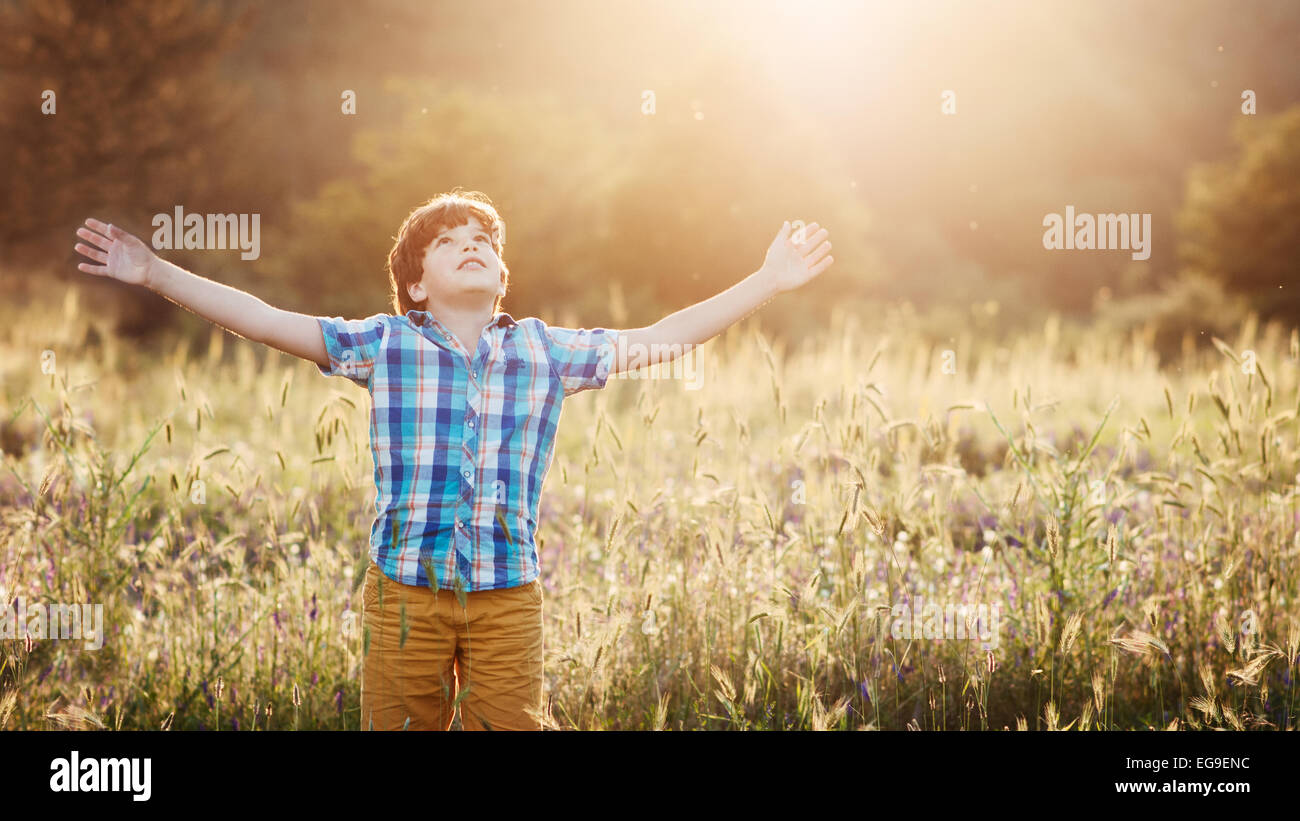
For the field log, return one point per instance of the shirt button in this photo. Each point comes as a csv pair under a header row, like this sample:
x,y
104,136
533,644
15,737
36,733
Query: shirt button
x,y
476,374
466,474
471,423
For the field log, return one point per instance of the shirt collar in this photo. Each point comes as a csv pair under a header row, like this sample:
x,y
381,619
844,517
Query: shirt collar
x,y
426,318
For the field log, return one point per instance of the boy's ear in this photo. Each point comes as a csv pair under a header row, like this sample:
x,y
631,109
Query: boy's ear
x,y
416,291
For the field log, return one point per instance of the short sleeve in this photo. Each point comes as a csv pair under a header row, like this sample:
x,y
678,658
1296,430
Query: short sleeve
x,y
353,346
581,358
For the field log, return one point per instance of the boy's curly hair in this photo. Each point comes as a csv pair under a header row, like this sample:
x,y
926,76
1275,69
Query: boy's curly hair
x,y
405,261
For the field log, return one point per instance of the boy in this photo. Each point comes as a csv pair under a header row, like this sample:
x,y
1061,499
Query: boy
x,y
465,404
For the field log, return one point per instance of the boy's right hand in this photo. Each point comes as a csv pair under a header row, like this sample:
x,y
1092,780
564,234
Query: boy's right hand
x,y
122,256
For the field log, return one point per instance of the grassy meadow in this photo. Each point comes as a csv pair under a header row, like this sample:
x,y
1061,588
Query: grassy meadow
x,y
720,558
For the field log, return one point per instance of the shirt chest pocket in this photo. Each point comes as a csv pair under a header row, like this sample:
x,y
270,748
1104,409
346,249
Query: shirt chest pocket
x,y
528,389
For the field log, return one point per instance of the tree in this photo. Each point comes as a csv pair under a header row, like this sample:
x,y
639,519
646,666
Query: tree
x,y
1240,222
110,109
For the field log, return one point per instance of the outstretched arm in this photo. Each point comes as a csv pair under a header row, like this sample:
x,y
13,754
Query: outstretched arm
x,y
786,267
124,257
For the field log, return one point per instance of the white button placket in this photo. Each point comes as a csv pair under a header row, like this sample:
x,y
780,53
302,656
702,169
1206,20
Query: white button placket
x,y
465,534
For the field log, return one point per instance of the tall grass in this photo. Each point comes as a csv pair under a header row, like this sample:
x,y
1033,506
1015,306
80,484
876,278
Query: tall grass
x,y
720,558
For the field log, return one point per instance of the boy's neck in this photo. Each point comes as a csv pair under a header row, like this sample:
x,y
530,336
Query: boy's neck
x,y
466,323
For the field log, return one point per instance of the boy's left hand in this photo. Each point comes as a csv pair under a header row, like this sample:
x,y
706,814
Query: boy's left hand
x,y
788,265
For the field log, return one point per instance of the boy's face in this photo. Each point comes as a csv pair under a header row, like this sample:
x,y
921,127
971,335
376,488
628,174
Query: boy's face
x,y
451,278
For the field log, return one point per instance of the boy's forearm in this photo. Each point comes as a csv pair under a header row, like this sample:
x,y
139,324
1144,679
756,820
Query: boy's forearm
x,y
704,320
677,333
235,310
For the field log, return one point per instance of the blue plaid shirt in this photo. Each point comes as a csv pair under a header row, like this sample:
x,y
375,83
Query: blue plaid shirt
x,y
461,443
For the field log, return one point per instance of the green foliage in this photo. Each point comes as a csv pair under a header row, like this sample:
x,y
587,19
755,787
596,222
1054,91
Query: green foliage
x,y
137,93
1240,222
1186,311
335,247
598,232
